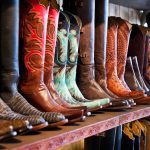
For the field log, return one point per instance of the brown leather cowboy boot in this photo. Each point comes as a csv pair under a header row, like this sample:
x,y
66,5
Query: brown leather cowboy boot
x,y
123,35
85,69
113,82
101,22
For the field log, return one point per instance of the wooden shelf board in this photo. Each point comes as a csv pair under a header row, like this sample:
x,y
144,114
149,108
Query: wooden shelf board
x,y
55,138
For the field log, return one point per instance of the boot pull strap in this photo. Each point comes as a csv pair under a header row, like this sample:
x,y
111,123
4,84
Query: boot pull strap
x,y
79,3
82,30
83,55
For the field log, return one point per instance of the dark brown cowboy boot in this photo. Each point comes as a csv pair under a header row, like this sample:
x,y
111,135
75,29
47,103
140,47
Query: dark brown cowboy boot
x,y
101,18
113,82
137,44
101,21
146,67
130,76
133,83
138,47
85,69
138,74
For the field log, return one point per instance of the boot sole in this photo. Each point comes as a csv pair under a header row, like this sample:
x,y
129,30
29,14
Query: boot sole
x,y
8,135
81,119
60,123
38,127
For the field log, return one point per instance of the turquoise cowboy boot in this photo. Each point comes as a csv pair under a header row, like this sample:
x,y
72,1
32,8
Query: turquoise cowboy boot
x,y
60,65
73,42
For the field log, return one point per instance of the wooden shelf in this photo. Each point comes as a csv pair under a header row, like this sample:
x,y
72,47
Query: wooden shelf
x,y
55,138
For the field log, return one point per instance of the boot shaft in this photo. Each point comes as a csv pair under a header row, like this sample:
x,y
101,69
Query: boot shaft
x,y
137,44
111,59
130,76
34,39
146,67
101,23
9,34
73,43
123,35
51,37
61,49
86,48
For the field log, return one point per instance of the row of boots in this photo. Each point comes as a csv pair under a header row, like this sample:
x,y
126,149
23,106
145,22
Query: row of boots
x,y
38,100
64,67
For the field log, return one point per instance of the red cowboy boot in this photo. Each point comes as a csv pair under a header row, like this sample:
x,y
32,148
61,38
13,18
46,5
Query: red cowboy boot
x,y
49,63
34,25
113,82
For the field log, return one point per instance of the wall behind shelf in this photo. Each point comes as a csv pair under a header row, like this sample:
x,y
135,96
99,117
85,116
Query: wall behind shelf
x,y
130,14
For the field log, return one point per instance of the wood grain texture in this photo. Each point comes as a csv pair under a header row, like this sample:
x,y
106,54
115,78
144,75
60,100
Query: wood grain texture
x,y
129,14
136,4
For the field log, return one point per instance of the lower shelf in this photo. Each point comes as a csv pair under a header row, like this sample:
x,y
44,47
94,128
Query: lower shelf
x,y
55,138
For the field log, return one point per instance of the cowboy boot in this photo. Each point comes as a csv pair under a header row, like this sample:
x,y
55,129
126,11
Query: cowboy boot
x,y
138,74
101,22
130,76
64,24
133,83
73,40
7,114
123,35
85,69
33,31
113,82
100,50
49,63
138,48
9,68
146,68
137,44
